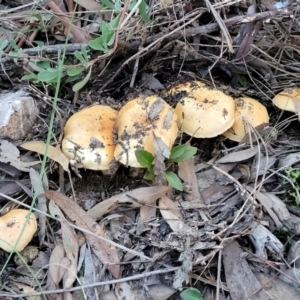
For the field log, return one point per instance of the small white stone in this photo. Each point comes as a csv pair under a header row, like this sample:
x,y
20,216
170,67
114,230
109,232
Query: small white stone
x,y
18,112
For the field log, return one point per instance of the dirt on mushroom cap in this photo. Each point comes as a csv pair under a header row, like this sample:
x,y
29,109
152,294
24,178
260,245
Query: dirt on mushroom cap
x,y
201,111
88,137
137,121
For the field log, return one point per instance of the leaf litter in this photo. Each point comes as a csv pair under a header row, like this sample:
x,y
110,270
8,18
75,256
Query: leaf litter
x,y
235,207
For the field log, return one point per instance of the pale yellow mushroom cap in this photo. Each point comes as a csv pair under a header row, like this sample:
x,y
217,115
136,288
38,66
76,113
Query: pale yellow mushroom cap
x,y
137,121
11,226
88,137
248,111
202,112
288,99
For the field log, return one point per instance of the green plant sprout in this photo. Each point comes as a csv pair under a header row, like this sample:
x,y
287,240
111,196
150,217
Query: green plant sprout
x,y
49,74
191,294
294,176
107,38
178,154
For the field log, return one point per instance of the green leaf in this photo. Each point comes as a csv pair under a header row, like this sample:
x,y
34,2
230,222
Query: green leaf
x,y
143,11
187,154
3,44
191,294
111,39
38,16
243,81
149,175
144,157
74,71
79,85
39,43
79,56
49,75
29,77
72,78
114,23
43,64
14,45
85,54
132,4
97,44
104,30
108,4
177,151
174,180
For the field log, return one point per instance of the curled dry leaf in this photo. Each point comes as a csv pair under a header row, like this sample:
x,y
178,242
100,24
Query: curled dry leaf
x,y
143,196
105,251
53,153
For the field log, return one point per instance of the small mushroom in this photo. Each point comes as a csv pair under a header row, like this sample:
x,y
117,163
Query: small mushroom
x,y
88,137
137,121
248,111
202,112
11,226
288,99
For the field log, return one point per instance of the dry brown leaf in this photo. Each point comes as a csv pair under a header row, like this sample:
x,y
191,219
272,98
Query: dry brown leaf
x,y
53,153
216,192
238,156
156,292
186,172
90,5
123,291
58,264
143,196
269,205
105,251
278,289
70,244
240,280
279,207
171,214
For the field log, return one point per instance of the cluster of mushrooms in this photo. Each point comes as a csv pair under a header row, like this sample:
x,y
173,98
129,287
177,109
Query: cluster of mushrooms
x,y
97,136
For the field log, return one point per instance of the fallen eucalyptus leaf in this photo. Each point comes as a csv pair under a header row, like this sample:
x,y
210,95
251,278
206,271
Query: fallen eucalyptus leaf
x,y
53,153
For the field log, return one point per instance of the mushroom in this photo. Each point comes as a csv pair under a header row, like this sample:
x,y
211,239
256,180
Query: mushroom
x,y
11,226
248,111
137,121
202,112
288,99
88,137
